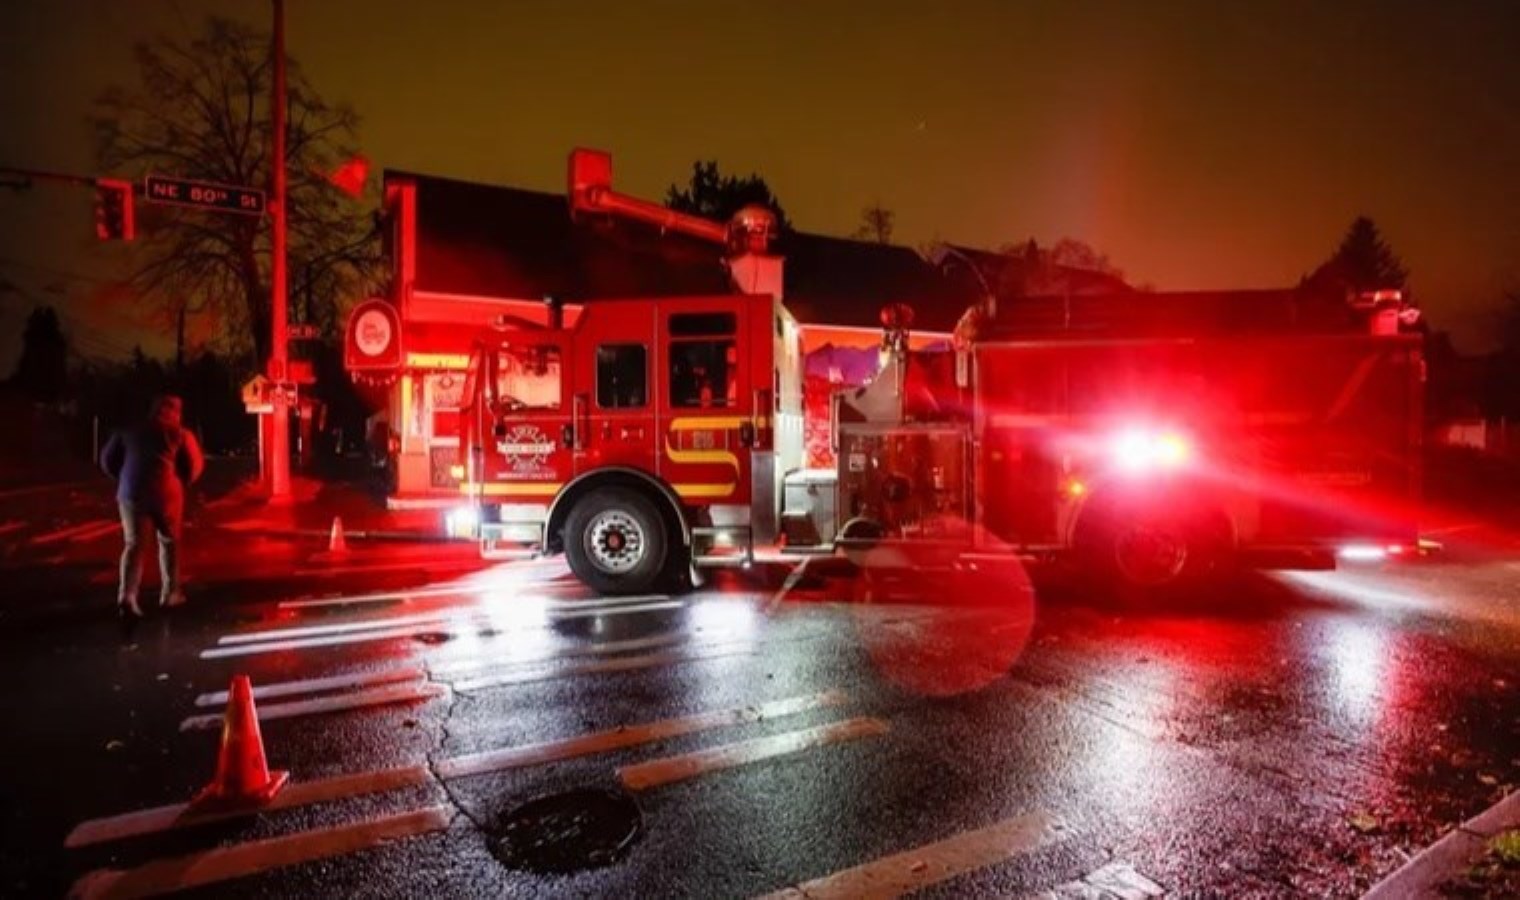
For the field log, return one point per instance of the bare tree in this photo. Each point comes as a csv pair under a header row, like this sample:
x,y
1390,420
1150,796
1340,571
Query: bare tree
x,y
1067,252
876,224
200,110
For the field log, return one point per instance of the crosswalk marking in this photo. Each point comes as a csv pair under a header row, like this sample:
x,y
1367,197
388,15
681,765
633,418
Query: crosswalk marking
x,y
318,685
430,590
460,666
598,667
392,597
240,860
296,794
383,634
553,608
448,625
633,735
659,772
903,873
303,793
437,617
385,696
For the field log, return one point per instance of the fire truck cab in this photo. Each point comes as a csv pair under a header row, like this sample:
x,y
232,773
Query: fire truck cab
x,y
635,436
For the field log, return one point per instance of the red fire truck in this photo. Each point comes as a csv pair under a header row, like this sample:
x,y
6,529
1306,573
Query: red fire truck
x,y
1155,437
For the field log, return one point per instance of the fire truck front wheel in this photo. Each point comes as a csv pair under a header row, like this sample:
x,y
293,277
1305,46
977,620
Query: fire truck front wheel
x,y
615,541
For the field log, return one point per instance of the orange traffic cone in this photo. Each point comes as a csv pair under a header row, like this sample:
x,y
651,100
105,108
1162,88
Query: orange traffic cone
x,y
242,775
336,543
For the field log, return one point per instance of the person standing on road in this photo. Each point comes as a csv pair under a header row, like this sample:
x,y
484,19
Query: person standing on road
x,y
152,464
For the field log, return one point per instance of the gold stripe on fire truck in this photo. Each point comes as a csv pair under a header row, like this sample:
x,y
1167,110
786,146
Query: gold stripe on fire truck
x,y
713,457
703,491
513,489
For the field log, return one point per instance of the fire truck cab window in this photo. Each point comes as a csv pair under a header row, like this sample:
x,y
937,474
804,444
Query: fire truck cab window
x,y
621,373
703,360
528,378
703,374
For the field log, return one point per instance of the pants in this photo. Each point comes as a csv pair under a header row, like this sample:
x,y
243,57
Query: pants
x,y
136,520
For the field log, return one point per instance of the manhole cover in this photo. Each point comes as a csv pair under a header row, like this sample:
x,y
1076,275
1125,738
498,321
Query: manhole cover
x,y
568,832
433,637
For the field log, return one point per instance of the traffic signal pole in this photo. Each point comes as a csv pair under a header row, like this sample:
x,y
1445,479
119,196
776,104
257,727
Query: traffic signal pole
x,y
279,368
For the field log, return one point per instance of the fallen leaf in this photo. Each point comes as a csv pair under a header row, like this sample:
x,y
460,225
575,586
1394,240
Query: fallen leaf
x,y
113,745
1488,779
1366,823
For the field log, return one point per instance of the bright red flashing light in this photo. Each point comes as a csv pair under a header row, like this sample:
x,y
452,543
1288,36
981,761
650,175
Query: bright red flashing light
x,y
1138,450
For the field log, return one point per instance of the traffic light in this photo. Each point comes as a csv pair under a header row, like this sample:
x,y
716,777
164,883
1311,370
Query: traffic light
x,y
113,210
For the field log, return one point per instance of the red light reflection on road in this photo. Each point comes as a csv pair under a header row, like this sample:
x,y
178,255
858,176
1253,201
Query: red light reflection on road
x,y
937,629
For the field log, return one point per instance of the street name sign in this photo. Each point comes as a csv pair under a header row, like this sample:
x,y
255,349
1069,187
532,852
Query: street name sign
x,y
203,195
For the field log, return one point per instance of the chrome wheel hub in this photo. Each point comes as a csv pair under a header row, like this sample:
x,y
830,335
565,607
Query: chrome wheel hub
x,y
615,541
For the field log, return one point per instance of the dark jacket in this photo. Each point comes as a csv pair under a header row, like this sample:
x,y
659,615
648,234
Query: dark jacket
x,y
152,464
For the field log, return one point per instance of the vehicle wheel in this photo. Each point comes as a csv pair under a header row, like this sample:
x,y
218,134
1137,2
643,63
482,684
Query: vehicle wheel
x,y
1152,552
615,541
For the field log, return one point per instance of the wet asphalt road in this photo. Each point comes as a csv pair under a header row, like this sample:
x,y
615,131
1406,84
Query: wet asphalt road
x,y
1289,735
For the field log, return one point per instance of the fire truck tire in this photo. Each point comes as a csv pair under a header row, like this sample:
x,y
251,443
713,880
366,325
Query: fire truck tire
x,y
1136,551
616,541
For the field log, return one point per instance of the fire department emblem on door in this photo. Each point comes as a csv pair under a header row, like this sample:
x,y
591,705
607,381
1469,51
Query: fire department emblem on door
x,y
527,450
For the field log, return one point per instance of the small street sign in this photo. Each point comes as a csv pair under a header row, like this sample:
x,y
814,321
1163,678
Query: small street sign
x,y
303,331
203,195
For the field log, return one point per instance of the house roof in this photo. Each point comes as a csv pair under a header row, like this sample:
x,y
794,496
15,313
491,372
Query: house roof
x,y
835,281
1175,313
492,241
1013,275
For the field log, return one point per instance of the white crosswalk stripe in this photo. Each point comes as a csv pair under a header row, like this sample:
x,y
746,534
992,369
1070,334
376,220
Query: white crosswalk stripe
x,y
903,873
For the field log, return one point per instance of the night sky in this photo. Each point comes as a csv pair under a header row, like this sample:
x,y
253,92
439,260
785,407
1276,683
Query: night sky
x,y
1199,144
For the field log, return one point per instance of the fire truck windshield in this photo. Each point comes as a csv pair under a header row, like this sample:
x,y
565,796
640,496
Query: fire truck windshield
x,y
527,377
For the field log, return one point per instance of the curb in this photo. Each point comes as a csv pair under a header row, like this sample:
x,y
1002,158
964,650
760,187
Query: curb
x,y
1423,875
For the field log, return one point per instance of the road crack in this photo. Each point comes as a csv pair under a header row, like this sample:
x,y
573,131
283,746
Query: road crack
x,y
434,757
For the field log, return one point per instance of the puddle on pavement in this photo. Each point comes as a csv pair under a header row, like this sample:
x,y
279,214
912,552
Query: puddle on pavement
x,y
568,832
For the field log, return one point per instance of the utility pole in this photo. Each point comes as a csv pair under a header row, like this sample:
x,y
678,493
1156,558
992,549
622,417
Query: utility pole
x,y
279,368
